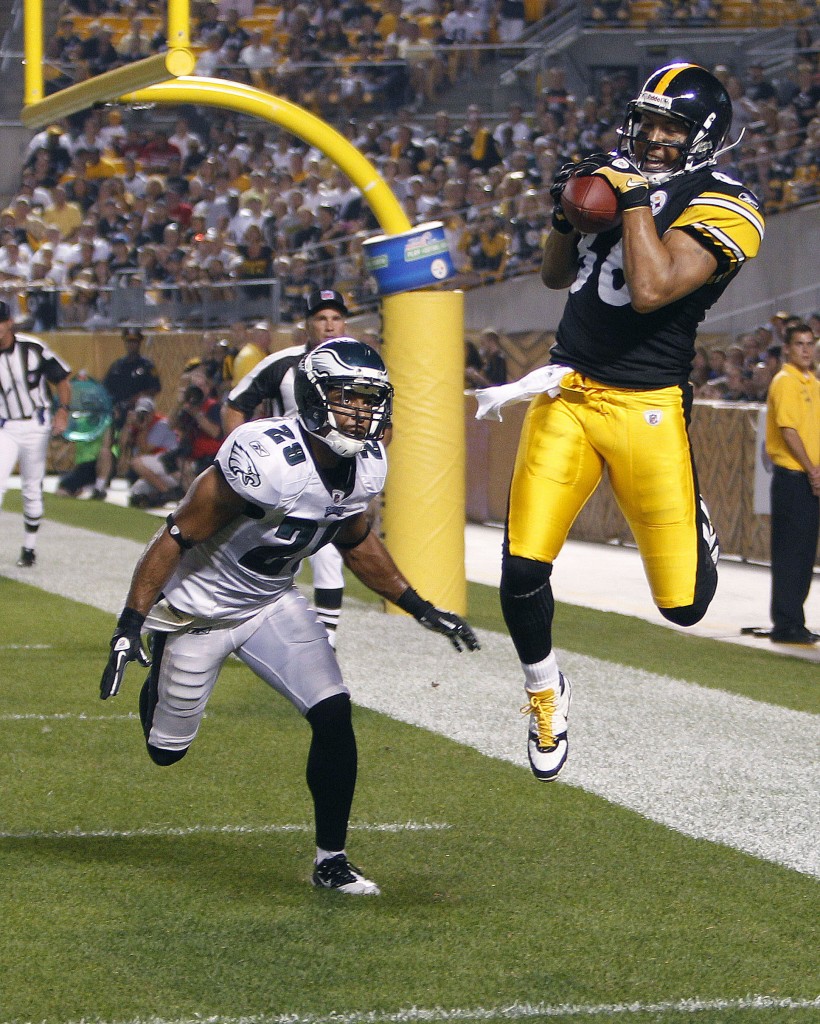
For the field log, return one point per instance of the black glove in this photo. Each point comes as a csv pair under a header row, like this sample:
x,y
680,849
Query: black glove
x,y
126,646
631,187
449,624
559,220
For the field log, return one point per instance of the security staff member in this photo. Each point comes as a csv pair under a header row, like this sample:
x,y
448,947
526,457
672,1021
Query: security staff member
x,y
27,368
793,445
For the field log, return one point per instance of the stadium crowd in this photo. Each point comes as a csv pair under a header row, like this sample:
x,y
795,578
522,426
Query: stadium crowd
x,y
215,208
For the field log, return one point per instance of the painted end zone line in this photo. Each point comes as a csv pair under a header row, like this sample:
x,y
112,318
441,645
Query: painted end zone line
x,y
194,830
518,1011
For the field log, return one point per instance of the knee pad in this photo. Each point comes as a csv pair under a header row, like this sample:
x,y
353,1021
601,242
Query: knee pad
x,y
164,758
523,577
527,605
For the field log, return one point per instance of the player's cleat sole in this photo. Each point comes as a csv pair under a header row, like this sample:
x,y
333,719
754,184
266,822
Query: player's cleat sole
x,y
339,874
27,558
547,745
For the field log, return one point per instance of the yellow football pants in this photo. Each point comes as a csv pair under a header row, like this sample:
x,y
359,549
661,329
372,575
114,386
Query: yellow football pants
x,y
642,439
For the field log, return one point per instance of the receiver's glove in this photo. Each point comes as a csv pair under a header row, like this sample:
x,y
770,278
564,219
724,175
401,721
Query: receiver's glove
x,y
126,646
559,220
631,187
449,624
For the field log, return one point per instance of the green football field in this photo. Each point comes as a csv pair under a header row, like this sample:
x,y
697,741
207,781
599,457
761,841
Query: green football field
x,y
130,893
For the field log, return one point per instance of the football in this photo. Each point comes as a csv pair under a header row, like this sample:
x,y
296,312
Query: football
x,y
590,204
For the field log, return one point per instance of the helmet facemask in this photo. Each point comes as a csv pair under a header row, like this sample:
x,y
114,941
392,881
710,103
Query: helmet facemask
x,y
364,408
631,137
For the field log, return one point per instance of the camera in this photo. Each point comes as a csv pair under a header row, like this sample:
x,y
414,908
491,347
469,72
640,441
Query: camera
x,y
193,395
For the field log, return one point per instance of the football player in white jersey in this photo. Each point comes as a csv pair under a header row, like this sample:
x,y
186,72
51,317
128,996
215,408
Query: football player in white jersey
x,y
269,386
219,579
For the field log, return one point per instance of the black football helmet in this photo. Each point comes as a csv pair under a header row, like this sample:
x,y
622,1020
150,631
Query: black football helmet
x,y
346,376
689,94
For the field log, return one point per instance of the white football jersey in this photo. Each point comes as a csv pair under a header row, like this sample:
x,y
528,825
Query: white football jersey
x,y
293,509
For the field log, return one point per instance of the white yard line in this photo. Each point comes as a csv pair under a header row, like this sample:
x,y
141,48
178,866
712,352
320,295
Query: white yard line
x,y
517,1011
707,763
68,716
200,830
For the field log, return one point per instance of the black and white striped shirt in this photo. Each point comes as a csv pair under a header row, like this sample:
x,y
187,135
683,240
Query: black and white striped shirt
x,y
25,370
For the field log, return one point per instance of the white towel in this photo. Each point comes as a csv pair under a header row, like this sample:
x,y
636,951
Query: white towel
x,y
546,380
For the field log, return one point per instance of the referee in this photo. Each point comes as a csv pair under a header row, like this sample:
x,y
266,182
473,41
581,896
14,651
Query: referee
x,y
27,367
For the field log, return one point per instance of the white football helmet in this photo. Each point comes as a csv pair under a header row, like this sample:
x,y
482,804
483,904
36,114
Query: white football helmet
x,y
343,380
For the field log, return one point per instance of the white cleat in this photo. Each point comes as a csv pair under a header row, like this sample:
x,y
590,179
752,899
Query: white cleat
x,y
547,745
339,874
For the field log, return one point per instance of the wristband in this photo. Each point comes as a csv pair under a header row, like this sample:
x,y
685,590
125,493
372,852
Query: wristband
x,y
130,620
560,223
413,604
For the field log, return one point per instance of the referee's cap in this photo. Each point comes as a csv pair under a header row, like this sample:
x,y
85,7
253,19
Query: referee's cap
x,y
5,311
324,298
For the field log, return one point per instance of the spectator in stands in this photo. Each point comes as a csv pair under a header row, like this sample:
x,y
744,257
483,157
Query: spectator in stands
x,y
135,44
476,142
759,89
459,28
511,20
97,51
66,216
488,247
63,44
255,263
210,60
528,228
257,58
426,68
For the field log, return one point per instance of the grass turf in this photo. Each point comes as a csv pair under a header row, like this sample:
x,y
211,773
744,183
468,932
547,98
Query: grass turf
x,y
532,895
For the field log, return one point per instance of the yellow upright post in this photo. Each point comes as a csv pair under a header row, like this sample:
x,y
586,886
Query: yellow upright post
x,y
426,490
33,47
179,20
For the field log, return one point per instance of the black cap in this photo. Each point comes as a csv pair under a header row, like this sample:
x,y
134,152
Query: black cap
x,y
324,298
132,334
5,311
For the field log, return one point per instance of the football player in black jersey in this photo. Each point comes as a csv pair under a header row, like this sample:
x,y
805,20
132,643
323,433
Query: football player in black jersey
x,y
627,338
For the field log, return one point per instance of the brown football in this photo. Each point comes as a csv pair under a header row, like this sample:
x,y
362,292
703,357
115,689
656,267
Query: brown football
x,y
590,204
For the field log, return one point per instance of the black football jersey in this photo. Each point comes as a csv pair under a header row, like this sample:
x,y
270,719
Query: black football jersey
x,y
601,336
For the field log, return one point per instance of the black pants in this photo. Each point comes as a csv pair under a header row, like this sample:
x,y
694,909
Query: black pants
x,y
795,526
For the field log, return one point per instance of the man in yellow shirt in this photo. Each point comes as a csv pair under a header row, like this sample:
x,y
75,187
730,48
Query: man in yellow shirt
x,y
793,445
62,214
